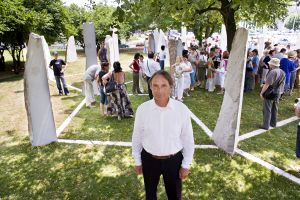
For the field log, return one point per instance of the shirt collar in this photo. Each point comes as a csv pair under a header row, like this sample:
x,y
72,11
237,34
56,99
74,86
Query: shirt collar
x,y
170,104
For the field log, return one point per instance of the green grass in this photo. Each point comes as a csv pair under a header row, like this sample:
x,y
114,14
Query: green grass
x,y
71,171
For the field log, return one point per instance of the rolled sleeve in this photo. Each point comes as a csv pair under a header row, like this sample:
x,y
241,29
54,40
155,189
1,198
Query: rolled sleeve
x,y
188,144
137,138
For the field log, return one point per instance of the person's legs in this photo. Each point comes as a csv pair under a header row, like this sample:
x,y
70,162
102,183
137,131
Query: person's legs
x,y
103,101
292,82
63,80
180,85
134,85
89,92
267,106
274,112
162,64
57,79
151,173
137,80
141,84
192,75
149,88
298,142
170,171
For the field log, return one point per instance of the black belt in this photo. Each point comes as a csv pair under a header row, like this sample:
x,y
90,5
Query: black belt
x,y
162,157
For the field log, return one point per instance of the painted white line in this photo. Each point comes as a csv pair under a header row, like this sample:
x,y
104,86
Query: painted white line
x,y
69,118
137,94
201,124
118,143
73,75
128,82
268,166
70,86
260,131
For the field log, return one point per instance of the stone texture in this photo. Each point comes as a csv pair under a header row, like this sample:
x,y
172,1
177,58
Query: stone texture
x,y
183,34
261,45
179,48
156,40
47,59
151,43
223,38
90,49
228,125
115,46
41,126
71,54
172,44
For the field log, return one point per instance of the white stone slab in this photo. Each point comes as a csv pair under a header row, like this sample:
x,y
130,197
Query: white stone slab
x,y
261,45
179,48
183,34
227,128
156,40
47,59
116,47
223,38
41,126
151,43
90,49
71,54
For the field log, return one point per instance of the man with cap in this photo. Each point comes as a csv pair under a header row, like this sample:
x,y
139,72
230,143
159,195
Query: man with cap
x,y
288,66
275,78
59,66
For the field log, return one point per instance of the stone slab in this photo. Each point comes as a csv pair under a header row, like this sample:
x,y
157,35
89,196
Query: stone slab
x,y
223,38
226,132
41,126
151,43
47,59
71,55
156,40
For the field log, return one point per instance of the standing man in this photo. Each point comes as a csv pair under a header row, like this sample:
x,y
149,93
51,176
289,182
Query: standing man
x,y
162,57
102,53
59,66
275,78
89,76
162,141
150,68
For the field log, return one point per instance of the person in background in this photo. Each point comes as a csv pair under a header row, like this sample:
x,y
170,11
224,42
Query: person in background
x,y
135,67
187,67
297,112
102,54
210,86
162,140
266,65
201,71
103,97
280,54
150,68
275,78
142,75
288,66
179,69
162,57
297,63
221,71
89,76
59,67
249,73
255,64
119,103
261,67
294,72
193,58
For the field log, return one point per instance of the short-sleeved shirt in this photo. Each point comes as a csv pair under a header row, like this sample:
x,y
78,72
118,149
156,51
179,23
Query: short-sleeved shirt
x,y
255,61
162,55
100,75
136,66
287,66
274,77
266,61
91,72
57,66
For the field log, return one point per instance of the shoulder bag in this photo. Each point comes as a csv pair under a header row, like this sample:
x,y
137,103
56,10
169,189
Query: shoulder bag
x,y
111,85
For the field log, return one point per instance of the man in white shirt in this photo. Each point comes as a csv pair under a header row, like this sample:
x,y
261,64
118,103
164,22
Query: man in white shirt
x,y
150,68
162,141
89,76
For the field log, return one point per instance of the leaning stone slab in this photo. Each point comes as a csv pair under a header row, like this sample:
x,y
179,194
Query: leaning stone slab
x,y
151,43
156,40
41,126
47,59
228,125
71,54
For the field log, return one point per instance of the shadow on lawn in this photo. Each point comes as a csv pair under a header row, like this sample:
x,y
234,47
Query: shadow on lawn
x,y
70,171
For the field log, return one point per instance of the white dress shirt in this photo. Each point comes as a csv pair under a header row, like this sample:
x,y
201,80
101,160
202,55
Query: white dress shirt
x,y
151,67
163,131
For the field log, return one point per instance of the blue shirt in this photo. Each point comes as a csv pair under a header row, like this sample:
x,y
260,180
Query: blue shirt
x,y
255,61
287,66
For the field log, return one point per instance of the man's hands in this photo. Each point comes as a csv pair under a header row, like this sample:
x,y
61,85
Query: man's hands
x,y
138,169
183,173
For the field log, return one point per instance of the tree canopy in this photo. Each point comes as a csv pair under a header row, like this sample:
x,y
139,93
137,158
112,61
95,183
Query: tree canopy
x,y
293,22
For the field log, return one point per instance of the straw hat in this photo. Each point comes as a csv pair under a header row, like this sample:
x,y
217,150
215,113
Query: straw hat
x,y
274,62
292,54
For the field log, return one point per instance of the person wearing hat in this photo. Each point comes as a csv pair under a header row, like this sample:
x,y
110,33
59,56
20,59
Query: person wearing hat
x,y
275,78
59,66
288,66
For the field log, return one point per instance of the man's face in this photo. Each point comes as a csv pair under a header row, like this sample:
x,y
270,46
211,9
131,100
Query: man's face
x,y
161,88
56,56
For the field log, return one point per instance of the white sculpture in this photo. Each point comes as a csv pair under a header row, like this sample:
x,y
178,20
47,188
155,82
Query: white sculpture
x,y
41,126
47,59
223,38
71,54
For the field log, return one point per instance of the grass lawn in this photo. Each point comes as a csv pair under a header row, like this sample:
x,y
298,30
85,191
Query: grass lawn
x,y
70,171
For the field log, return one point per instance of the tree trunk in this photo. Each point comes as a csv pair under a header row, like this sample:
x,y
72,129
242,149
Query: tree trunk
x,y
207,31
229,21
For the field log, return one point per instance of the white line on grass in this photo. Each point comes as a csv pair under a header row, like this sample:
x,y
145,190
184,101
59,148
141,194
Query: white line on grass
x,y
69,86
128,82
137,94
201,124
69,118
269,166
260,131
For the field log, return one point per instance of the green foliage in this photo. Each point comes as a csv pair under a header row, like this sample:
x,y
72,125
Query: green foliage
x,y
293,22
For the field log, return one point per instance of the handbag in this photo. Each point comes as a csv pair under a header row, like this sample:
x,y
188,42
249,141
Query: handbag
x,y
272,92
111,85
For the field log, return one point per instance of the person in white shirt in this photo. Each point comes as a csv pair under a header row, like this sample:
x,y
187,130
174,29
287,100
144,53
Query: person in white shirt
x,y
162,140
89,76
162,57
150,68
142,73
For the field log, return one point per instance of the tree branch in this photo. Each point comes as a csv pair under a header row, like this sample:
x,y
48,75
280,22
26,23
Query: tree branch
x,y
209,8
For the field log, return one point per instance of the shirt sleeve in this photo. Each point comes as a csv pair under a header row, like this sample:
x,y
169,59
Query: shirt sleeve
x,y
187,139
137,138
270,77
51,63
63,62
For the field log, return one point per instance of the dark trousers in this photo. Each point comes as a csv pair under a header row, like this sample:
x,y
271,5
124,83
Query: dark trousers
x,y
136,83
152,170
298,142
149,89
248,81
162,64
270,109
63,81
